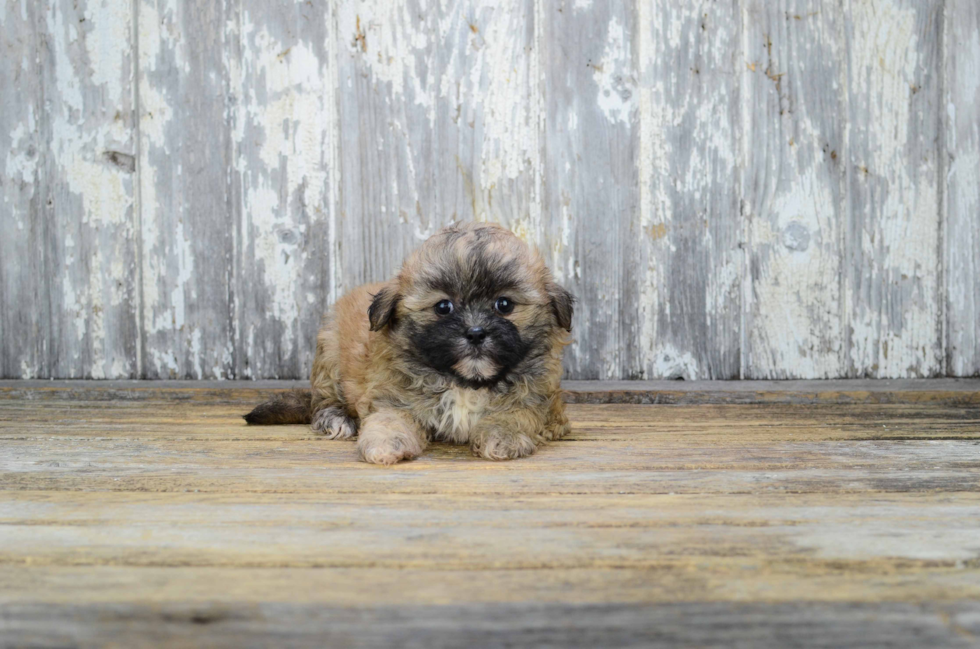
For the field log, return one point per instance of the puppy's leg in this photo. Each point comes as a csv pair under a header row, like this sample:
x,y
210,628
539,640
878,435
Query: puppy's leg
x,y
389,436
507,436
557,425
329,414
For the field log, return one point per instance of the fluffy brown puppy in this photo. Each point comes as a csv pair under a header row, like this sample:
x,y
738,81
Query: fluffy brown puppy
x,y
464,346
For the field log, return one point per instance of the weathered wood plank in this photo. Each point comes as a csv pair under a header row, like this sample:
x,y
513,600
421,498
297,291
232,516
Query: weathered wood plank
x,y
717,624
894,533
223,587
292,150
187,193
667,425
793,100
689,260
962,224
952,392
594,468
892,295
590,177
207,528
286,161
24,311
439,116
88,192
612,449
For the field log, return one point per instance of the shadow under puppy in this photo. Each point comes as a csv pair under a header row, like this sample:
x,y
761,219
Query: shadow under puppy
x,y
464,346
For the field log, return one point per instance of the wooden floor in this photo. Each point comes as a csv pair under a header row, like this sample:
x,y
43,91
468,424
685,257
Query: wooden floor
x,y
804,515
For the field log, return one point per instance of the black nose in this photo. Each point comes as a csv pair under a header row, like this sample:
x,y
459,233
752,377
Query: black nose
x,y
476,335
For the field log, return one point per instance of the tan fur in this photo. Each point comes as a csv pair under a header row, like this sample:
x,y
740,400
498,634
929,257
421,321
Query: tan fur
x,y
363,378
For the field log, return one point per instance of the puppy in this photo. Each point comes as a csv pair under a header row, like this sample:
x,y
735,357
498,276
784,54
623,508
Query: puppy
x,y
464,346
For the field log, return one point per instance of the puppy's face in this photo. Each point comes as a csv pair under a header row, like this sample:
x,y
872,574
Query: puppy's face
x,y
472,303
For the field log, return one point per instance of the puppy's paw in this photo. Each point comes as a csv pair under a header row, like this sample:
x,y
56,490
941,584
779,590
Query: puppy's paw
x,y
557,428
388,438
503,446
334,424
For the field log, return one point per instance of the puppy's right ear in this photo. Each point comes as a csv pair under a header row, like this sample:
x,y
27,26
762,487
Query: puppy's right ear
x,y
562,305
381,313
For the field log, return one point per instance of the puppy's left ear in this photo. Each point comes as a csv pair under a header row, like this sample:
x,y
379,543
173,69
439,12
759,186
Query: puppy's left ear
x,y
562,305
381,313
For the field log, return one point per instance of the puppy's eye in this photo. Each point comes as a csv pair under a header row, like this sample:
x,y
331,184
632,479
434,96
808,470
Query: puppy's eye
x,y
503,306
444,308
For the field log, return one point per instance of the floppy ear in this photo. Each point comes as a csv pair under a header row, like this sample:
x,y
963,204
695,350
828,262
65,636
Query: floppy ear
x,y
382,310
562,303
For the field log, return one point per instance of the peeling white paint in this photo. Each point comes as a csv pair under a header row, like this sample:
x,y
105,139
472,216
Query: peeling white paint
x,y
962,190
614,76
293,122
21,165
669,362
108,25
387,36
894,335
791,187
464,83
90,98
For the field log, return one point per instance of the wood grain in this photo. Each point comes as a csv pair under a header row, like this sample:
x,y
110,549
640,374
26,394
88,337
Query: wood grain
x,y
734,189
285,84
23,342
689,260
590,181
950,392
170,522
893,308
87,198
720,624
793,189
439,123
188,206
962,225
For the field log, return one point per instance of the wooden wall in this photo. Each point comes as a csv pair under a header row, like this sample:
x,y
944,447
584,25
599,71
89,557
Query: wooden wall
x,y
733,188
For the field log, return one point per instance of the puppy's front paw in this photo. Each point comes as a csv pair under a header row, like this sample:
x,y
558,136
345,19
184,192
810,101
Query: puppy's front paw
x,y
387,438
334,424
503,446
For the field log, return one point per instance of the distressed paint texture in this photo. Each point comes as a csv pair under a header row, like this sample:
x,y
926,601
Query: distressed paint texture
x,y
793,188
23,309
187,195
439,117
733,189
690,270
285,141
590,176
87,195
892,297
962,228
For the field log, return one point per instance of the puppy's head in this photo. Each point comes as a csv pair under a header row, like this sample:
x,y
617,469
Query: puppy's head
x,y
472,303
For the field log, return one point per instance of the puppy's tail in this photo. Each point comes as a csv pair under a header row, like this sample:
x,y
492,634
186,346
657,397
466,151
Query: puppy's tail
x,y
293,407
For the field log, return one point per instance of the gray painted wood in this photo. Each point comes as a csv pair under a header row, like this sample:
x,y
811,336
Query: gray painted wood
x,y
87,207
188,196
690,261
438,115
792,183
23,342
892,296
962,227
285,160
590,175
735,189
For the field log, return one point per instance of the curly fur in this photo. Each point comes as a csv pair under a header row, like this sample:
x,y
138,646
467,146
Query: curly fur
x,y
389,365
